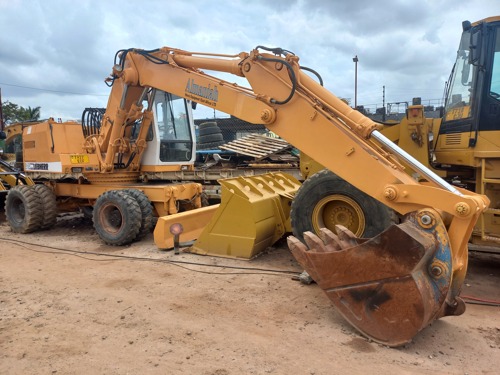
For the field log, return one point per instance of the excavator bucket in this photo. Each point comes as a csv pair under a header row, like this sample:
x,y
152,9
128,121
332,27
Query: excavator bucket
x,y
253,214
388,287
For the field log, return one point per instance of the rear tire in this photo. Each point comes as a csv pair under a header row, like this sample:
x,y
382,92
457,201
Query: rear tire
x,y
49,206
117,217
146,212
23,209
325,200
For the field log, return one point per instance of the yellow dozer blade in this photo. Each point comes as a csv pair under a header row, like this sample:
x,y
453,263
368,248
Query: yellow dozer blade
x,y
253,214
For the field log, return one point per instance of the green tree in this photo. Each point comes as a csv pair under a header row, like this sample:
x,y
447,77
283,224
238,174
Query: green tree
x,y
31,113
15,113
9,111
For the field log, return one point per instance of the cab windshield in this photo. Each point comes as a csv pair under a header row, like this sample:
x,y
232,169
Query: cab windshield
x,y
171,116
459,99
495,72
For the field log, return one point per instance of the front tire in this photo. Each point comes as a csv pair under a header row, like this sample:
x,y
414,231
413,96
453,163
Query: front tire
x,y
117,217
325,200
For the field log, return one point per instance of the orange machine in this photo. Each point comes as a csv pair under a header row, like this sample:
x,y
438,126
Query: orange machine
x,y
390,286
96,166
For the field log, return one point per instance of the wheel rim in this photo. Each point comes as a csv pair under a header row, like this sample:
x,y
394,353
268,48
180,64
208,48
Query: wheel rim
x,y
338,209
111,218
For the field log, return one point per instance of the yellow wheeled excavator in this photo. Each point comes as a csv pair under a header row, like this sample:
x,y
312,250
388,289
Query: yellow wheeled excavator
x,y
95,166
389,286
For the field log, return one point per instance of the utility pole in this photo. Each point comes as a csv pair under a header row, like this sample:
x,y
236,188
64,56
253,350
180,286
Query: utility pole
x,y
1,112
383,103
355,60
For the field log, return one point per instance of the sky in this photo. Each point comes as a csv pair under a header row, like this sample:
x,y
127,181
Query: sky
x,y
55,54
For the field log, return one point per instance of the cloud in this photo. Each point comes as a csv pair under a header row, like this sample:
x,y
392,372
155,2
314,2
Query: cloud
x,y
56,54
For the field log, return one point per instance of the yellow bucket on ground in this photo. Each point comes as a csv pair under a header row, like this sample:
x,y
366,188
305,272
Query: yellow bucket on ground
x,y
253,214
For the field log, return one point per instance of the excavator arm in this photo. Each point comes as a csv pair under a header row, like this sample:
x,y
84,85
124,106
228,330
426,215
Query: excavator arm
x,y
111,140
389,287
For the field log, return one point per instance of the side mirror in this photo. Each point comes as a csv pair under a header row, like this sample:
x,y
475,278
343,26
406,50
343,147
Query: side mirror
x,y
3,135
475,45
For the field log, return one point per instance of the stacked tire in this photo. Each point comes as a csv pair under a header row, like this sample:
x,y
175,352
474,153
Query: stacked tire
x,y
210,136
29,208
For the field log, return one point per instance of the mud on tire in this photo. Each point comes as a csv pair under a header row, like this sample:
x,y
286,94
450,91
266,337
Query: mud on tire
x,y
325,199
23,209
117,217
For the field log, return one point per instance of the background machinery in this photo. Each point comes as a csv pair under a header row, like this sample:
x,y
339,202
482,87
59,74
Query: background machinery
x,y
11,173
462,146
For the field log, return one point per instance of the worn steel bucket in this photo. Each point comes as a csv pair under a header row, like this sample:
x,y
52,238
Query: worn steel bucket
x,y
388,287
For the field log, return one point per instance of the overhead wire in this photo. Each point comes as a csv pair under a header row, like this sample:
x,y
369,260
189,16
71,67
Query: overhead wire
x,y
49,90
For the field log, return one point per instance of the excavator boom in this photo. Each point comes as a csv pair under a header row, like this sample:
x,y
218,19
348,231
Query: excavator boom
x,y
389,287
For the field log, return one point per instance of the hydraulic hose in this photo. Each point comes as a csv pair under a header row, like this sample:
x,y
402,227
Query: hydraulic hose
x,y
313,72
292,77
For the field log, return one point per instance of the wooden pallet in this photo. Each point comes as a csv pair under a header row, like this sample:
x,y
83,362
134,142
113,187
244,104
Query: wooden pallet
x,y
257,146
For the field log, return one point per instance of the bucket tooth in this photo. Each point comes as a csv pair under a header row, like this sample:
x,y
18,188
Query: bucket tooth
x,y
388,287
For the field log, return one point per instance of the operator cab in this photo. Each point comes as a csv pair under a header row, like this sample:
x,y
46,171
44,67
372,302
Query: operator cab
x,y
472,107
171,140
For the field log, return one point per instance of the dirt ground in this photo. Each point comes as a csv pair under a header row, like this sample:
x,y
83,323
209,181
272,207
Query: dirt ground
x,y
63,312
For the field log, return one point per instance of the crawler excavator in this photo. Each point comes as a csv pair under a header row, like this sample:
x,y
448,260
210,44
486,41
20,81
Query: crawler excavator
x,y
390,286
